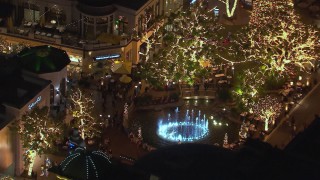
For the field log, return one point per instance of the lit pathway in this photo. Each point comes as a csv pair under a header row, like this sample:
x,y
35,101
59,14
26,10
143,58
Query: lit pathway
x,y
303,114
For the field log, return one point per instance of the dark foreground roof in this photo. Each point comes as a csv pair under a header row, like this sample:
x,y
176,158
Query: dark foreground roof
x,y
16,90
306,144
43,59
199,161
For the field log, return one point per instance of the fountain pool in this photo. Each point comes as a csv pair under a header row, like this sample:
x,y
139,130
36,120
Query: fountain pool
x,y
170,125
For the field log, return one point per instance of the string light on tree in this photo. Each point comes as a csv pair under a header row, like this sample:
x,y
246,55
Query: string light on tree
x,y
37,132
243,133
230,11
125,116
188,39
82,112
268,108
279,40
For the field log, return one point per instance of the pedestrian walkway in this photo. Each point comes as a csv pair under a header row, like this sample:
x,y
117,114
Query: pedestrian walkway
x,y
303,114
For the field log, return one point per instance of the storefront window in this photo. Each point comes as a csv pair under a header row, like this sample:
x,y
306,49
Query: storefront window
x,y
103,20
111,24
122,25
31,12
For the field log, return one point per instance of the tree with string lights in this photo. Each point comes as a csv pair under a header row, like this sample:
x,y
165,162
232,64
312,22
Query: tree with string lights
x,y
279,40
37,132
267,109
243,132
82,107
11,48
281,45
188,44
248,88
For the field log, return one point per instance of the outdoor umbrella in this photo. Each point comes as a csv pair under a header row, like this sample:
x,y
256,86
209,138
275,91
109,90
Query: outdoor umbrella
x,y
43,59
122,67
125,79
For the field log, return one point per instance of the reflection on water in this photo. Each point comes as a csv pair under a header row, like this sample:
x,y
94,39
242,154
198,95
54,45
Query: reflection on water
x,y
203,110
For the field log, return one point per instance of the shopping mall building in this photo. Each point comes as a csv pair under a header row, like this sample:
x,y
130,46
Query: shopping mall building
x,y
35,77
89,30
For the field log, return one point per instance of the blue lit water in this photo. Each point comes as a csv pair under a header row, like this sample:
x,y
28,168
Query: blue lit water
x,y
217,126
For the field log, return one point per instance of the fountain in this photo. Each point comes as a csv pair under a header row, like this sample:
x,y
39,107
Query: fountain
x,y
193,127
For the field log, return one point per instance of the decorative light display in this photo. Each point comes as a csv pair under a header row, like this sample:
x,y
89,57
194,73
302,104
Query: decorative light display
x,y
243,133
225,141
90,165
125,121
11,48
279,40
7,178
248,87
31,156
193,127
187,39
268,108
230,13
37,132
82,111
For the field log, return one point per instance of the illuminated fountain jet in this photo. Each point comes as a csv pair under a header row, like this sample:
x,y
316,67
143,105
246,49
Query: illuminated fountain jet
x,y
192,128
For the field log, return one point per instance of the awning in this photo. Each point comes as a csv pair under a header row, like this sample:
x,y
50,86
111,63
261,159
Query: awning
x,y
122,67
125,79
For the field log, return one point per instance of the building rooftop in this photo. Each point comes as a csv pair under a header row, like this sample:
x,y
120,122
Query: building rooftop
x,y
17,89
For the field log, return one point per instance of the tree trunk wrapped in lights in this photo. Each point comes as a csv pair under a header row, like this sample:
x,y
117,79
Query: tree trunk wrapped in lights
x,y
37,132
230,11
243,132
82,106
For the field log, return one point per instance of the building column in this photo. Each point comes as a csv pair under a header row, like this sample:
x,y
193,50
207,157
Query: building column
x,y
95,27
18,159
82,25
